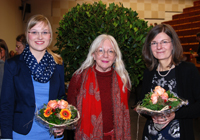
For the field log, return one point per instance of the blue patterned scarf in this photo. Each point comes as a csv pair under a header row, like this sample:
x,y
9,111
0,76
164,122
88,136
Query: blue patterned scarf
x,y
43,71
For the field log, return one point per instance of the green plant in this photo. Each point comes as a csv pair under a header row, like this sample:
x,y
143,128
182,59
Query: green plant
x,y
83,23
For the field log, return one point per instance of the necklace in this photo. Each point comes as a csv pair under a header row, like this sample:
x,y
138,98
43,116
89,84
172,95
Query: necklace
x,y
166,73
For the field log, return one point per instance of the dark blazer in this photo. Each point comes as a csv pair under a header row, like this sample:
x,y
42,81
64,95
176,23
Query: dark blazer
x,y
188,86
1,73
18,100
198,52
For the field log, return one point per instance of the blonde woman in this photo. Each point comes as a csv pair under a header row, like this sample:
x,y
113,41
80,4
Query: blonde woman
x,y
100,90
31,79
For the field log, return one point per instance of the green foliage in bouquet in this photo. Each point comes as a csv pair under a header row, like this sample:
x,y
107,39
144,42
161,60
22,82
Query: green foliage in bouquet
x,y
171,102
83,23
53,115
73,112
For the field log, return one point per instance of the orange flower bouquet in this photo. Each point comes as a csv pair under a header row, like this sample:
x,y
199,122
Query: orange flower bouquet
x,y
57,113
160,101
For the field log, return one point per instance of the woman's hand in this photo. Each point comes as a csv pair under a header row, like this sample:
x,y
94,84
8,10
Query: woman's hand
x,y
58,131
164,119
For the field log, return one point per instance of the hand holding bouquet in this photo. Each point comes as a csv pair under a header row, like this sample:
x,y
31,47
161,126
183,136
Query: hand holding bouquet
x,y
159,103
57,114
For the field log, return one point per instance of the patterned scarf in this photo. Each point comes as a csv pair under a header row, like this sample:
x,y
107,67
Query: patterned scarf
x,y
89,104
43,71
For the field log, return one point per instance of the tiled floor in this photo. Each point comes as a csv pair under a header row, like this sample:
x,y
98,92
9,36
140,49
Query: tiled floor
x,y
142,120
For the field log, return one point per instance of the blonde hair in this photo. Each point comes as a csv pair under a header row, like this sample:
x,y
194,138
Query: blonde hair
x,y
35,20
119,64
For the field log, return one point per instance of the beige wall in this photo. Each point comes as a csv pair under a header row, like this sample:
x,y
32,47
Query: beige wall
x,y
11,23
149,10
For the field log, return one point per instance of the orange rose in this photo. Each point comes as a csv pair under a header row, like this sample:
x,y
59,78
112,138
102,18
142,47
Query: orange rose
x,y
154,98
62,104
159,90
164,96
52,104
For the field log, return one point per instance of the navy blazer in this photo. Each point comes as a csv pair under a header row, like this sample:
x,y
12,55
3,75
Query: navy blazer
x,y
17,97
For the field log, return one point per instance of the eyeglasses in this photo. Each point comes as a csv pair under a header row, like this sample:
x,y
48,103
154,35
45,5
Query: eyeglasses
x,y
18,46
162,43
101,51
37,33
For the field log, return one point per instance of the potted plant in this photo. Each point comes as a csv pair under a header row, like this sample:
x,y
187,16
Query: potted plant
x,y
83,23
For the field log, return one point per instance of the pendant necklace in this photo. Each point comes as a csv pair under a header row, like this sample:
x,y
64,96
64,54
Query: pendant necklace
x,y
166,73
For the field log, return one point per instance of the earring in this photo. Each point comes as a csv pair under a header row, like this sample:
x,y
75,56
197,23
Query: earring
x,y
114,65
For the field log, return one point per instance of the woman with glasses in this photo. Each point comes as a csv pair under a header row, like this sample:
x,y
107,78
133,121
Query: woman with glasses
x,y
100,90
163,56
31,79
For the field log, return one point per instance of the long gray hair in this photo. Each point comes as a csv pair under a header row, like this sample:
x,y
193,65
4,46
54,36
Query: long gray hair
x,y
119,64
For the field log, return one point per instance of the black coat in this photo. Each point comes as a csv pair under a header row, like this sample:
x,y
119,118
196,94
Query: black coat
x,y
198,52
188,87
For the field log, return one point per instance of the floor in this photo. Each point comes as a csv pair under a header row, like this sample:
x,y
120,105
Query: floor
x,y
137,123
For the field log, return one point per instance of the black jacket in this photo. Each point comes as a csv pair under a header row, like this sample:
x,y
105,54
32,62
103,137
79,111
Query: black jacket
x,y
198,52
188,86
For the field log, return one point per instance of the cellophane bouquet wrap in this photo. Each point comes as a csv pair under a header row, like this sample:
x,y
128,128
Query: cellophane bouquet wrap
x,y
160,102
57,113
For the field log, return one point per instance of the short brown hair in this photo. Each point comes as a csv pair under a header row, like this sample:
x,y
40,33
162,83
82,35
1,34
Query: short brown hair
x,y
177,51
22,38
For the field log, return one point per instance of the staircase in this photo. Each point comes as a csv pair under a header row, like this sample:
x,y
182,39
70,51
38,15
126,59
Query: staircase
x,y
187,25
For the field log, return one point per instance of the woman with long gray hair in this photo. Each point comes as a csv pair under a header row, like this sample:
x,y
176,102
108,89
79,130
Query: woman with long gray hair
x,y
100,90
